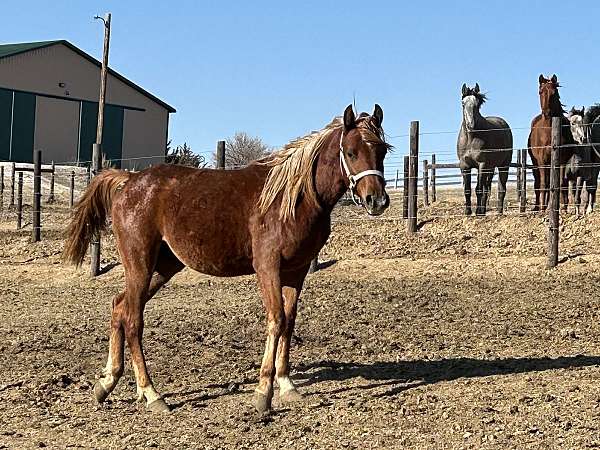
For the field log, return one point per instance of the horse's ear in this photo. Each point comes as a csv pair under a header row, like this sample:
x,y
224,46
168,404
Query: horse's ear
x,y
349,118
583,110
542,79
554,79
378,114
465,89
476,88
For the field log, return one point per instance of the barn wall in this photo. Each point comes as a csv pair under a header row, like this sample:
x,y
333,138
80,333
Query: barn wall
x,y
60,64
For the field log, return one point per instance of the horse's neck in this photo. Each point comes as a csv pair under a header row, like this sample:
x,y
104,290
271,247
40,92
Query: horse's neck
x,y
330,183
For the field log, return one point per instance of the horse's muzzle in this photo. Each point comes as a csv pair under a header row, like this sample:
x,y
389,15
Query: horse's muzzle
x,y
376,204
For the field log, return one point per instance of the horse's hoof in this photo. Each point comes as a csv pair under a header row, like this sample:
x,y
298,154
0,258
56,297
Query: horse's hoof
x,y
262,403
291,396
158,406
100,393
468,212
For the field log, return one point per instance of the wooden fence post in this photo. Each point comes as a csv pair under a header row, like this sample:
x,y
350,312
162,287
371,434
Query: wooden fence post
x,y
553,209
20,201
95,245
413,174
12,185
51,194
405,188
425,183
433,193
523,170
72,189
396,181
519,173
220,154
37,196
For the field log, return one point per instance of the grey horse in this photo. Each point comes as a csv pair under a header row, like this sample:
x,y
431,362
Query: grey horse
x,y
580,168
484,143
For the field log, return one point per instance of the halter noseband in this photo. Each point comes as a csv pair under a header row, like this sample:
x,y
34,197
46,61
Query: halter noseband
x,y
356,177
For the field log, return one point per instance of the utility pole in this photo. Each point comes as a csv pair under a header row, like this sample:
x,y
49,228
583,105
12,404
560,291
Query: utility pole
x,y
97,147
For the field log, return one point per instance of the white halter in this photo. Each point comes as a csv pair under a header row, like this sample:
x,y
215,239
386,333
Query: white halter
x,y
354,178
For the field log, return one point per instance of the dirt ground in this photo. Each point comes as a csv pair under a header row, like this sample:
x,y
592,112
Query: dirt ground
x,y
457,337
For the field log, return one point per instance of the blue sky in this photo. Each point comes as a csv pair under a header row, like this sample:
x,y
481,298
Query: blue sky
x,y
279,69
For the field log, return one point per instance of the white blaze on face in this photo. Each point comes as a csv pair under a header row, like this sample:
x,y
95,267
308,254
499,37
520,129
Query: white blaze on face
x,y
577,128
469,105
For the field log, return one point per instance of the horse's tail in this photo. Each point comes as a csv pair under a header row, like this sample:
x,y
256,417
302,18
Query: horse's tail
x,y
89,217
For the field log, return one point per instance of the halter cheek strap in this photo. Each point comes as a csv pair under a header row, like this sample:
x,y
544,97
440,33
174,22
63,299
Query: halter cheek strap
x,y
353,179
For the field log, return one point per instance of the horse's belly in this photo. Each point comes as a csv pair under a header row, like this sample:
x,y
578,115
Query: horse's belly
x,y
209,251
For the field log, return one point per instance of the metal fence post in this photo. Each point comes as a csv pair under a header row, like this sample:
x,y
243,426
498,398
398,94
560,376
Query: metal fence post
x,y
413,174
37,196
72,189
12,185
51,194
396,180
405,188
433,192
519,174
1,187
425,183
553,209
523,169
20,201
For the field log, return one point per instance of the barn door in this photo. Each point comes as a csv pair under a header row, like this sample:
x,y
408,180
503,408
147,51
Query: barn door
x,y
6,98
112,133
23,127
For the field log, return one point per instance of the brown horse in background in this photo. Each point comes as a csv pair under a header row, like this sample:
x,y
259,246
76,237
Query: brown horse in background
x,y
540,142
270,218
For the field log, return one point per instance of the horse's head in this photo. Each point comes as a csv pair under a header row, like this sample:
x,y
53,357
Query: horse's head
x,y
549,94
577,125
472,99
362,150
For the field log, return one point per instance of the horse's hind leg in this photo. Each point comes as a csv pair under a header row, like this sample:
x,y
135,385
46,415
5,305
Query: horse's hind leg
x,y
114,365
167,265
502,179
292,285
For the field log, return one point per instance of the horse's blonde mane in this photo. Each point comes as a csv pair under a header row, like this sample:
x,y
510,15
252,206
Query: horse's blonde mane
x,y
291,168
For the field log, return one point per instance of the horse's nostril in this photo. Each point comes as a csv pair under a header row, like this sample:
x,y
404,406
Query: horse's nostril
x,y
369,200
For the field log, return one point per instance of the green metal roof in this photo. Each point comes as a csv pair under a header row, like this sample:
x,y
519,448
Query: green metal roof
x,y
7,50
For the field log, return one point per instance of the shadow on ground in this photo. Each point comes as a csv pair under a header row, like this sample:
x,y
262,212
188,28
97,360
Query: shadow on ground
x,y
399,376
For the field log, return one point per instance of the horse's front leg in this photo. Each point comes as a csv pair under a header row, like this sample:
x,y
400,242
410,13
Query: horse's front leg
x,y
577,200
270,286
480,190
292,285
466,173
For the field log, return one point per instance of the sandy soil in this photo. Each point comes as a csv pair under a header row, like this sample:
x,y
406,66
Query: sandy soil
x,y
457,337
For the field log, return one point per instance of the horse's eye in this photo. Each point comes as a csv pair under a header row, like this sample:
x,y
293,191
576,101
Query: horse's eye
x,y
351,154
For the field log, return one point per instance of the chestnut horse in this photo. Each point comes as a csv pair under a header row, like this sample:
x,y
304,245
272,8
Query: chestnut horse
x,y
270,218
540,141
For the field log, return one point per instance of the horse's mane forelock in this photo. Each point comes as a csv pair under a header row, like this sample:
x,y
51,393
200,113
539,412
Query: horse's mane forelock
x,y
291,168
480,96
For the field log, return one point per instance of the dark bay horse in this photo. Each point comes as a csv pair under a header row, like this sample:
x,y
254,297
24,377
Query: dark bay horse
x,y
540,141
270,218
484,143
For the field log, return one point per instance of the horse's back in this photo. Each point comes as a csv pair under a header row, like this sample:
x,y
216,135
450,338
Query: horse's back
x,y
202,214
